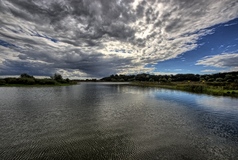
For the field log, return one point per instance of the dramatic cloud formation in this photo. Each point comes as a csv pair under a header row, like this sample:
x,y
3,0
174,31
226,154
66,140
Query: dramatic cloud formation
x,y
95,38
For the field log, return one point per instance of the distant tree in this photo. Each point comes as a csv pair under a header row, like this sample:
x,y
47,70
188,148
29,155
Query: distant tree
x,y
163,79
121,80
11,80
57,77
224,77
229,77
202,80
151,80
25,80
25,75
142,77
210,80
113,79
219,79
2,82
207,77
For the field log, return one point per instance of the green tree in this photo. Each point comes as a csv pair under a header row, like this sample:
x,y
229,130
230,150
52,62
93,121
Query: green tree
x,y
163,79
57,77
2,82
219,79
210,80
228,76
25,75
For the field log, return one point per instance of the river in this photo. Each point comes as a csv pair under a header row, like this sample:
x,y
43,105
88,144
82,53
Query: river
x,y
115,121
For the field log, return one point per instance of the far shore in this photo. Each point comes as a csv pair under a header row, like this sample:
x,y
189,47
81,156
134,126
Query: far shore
x,y
37,85
195,87
25,80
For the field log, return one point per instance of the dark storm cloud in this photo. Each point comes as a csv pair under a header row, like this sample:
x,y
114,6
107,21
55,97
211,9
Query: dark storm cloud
x,y
98,17
100,37
33,68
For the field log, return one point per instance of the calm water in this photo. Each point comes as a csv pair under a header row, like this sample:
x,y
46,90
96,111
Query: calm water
x,y
114,121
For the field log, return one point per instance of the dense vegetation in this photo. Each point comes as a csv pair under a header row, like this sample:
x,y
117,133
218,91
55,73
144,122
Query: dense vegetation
x,y
218,77
219,83
26,79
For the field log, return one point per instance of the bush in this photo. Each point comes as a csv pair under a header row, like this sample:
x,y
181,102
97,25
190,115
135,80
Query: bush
x,y
194,88
229,80
2,82
28,81
210,80
50,81
45,81
163,79
219,79
11,80
216,83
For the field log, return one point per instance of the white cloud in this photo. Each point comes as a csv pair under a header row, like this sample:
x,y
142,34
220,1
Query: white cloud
x,y
209,71
227,61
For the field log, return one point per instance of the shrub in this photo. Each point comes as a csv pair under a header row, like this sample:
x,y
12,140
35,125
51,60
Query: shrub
x,y
2,82
50,81
45,81
194,88
11,80
210,80
28,81
219,79
229,80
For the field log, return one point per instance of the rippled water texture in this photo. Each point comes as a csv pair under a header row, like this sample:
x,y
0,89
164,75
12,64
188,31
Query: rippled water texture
x,y
115,121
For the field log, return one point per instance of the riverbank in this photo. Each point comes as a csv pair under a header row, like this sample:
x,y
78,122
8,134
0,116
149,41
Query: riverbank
x,y
37,85
26,80
195,87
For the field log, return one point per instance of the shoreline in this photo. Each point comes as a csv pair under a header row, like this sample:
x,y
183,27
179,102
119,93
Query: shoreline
x,y
190,87
37,85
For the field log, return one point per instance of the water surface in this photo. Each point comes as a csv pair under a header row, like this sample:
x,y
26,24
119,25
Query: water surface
x,y
115,121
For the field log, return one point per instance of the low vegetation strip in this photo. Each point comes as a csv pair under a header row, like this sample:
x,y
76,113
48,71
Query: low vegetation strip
x,y
218,77
27,80
217,84
227,89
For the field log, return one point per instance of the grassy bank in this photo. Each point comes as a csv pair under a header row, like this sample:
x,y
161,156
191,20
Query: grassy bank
x,y
195,87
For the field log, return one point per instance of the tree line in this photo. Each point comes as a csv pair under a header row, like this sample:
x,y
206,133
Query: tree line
x,y
218,77
26,79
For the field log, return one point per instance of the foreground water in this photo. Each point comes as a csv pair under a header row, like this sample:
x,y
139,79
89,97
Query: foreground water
x,y
115,121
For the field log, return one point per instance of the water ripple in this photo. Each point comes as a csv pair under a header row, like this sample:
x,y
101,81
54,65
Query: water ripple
x,y
114,121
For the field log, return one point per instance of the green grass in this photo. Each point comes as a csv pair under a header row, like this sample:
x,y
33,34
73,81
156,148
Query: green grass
x,y
195,87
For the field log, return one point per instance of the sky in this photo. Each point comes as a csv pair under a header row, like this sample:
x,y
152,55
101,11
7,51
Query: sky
x,y
97,38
